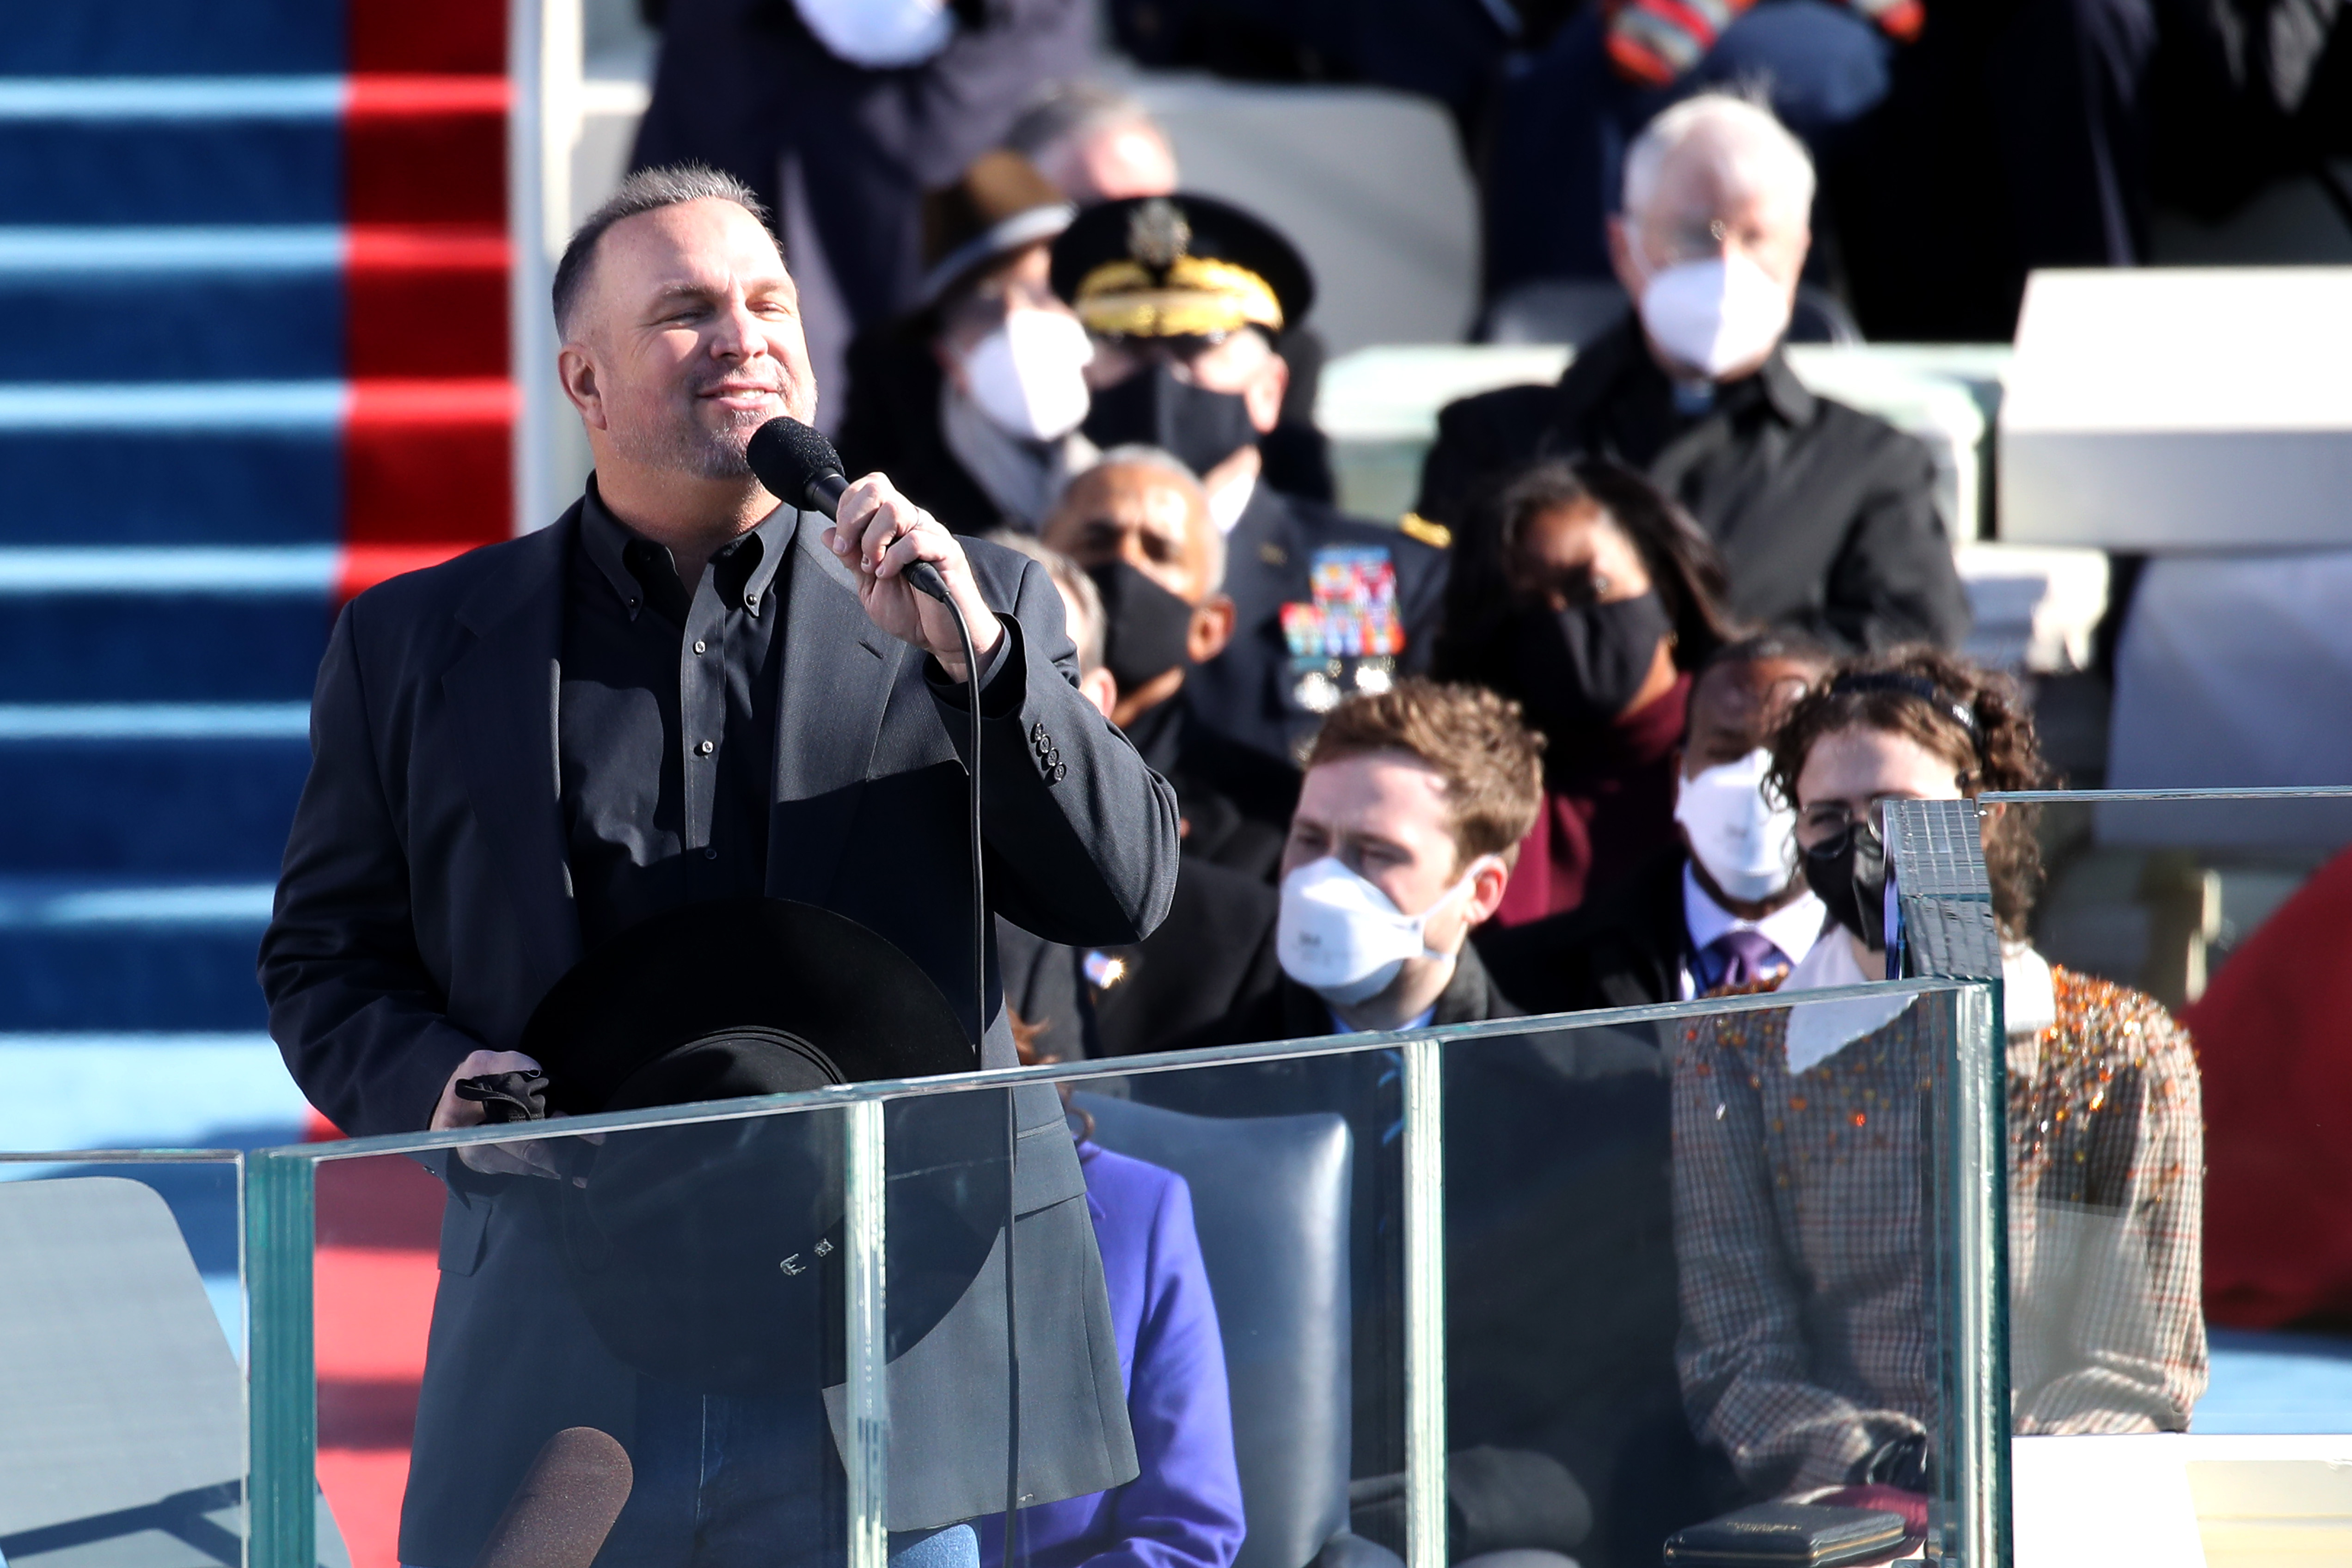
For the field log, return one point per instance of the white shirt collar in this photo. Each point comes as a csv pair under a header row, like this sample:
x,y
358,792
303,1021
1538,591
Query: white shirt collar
x,y
1793,930
2029,997
1820,1030
1230,499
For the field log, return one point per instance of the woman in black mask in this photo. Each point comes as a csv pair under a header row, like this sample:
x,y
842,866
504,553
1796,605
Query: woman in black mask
x,y
1585,593
1799,1227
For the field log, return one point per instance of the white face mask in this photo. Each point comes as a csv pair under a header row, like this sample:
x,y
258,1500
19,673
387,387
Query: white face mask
x,y
1342,938
1747,844
1027,377
1715,314
880,35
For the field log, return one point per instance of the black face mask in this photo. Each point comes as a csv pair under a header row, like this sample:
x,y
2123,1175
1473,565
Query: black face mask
x,y
1145,629
1848,874
1583,665
1200,428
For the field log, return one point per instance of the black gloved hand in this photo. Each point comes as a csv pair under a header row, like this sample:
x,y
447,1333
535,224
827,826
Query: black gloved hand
x,y
1898,1462
507,1097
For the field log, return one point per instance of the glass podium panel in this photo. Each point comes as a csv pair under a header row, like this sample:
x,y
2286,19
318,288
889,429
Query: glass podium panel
x,y
1691,1267
2176,1116
122,1338
1365,1301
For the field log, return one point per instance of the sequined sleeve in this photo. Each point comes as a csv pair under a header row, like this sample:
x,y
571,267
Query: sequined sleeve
x,y
1750,1378
2106,1176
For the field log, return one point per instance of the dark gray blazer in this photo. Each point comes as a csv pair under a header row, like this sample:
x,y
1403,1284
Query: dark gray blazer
x,y
426,906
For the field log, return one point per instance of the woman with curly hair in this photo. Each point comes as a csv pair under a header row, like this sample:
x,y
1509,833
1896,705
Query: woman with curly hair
x,y
1585,594
1806,1348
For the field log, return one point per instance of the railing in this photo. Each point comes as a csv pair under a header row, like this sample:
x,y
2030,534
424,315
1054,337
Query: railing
x,y
1411,1247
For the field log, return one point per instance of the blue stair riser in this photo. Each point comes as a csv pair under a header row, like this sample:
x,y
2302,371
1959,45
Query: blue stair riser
x,y
102,326
172,487
131,977
176,37
192,170
157,647
208,807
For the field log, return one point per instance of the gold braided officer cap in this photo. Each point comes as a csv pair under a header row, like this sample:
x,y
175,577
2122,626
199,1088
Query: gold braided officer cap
x,y
1179,266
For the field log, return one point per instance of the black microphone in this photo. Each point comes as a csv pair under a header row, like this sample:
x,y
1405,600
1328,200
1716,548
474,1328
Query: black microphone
x,y
561,1514
797,464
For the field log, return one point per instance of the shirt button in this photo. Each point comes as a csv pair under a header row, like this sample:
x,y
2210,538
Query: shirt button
x,y
704,748
710,852
700,645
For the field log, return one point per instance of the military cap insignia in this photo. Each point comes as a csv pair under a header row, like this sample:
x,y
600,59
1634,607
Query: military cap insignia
x,y
1157,233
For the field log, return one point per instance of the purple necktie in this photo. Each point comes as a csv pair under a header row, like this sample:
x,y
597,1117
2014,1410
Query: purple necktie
x,y
1739,958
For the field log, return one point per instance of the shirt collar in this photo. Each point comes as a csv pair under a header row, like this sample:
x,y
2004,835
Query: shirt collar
x,y
1776,385
608,540
1624,350
1793,929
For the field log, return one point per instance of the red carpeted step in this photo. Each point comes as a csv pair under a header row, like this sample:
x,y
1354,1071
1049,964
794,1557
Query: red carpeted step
x,y
425,149
428,462
428,36
426,300
379,1223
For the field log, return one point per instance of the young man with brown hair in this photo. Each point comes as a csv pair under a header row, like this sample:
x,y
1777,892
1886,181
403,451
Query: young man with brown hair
x,y
1410,816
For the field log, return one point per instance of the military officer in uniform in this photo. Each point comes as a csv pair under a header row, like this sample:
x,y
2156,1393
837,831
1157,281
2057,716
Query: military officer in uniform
x,y
1186,297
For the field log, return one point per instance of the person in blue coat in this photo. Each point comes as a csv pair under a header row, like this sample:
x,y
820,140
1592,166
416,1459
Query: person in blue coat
x,y
1185,1510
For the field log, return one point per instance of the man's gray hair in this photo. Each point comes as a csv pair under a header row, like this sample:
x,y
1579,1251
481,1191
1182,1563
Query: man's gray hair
x,y
647,189
1140,455
1753,148
1072,580
1067,108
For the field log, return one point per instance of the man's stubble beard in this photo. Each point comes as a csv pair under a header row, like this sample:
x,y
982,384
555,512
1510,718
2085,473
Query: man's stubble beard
x,y
681,444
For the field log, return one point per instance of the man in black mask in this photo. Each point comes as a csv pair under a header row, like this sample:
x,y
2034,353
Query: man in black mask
x,y
1186,297
1138,523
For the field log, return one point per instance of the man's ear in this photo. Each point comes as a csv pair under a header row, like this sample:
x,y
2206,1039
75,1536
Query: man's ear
x,y
1101,688
1266,389
1211,628
1486,885
580,384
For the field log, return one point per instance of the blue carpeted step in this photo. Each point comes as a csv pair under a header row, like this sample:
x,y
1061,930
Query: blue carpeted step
x,y
176,37
254,150
117,954
178,791
159,1090
188,304
243,463
162,625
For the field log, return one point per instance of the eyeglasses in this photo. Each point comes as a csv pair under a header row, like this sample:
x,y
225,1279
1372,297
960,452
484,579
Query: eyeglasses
x,y
1705,238
1825,819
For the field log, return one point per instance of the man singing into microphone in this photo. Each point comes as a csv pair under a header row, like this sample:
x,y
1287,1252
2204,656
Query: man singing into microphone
x,y
680,691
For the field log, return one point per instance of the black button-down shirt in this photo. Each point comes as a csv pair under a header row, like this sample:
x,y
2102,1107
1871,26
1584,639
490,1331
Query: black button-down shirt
x,y
666,719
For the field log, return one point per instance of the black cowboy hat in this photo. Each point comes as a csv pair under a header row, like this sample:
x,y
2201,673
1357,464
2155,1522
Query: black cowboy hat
x,y
708,1255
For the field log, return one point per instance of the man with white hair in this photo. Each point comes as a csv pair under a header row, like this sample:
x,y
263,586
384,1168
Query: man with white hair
x,y
1825,515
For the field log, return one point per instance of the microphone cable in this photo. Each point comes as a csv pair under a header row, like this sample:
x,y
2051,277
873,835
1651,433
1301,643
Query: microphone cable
x,y
797,464
980,922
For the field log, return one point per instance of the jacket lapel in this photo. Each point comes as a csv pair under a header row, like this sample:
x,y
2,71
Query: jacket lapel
x,y
838,673
503,693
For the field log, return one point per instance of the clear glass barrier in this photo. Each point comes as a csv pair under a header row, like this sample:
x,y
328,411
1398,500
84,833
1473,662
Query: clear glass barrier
x,y
1356,1302
123,1334
2177,1110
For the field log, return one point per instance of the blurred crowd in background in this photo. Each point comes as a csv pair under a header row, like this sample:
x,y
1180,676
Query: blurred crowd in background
x,y
1609,716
